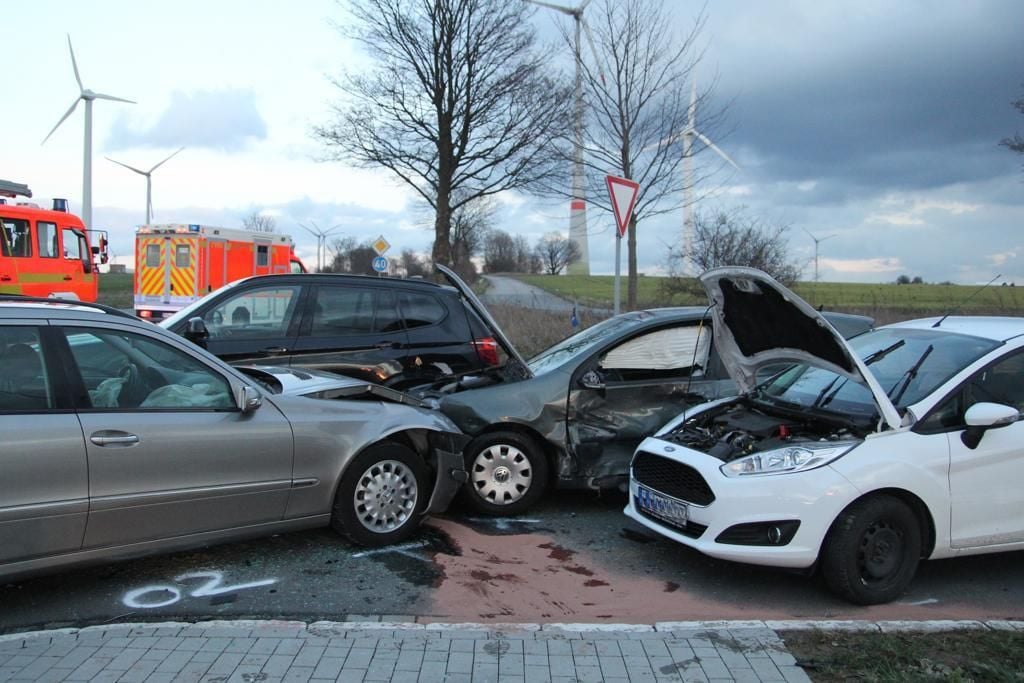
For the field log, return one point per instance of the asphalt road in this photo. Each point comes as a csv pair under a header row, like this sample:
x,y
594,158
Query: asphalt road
x,y
577,559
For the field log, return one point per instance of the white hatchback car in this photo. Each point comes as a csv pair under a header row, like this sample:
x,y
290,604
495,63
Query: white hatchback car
x,y
858,458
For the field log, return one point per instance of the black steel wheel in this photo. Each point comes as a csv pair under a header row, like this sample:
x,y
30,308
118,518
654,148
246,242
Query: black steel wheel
x,y
872,550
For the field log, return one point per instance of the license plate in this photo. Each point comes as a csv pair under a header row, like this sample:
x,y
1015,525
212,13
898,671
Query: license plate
x,y
659,506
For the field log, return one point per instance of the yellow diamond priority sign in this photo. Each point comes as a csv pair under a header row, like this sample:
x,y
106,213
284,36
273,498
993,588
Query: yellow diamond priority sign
x,y
380,245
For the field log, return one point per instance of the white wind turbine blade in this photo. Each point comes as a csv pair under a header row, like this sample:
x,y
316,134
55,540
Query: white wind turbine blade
x,y
702,138
101,96
560,8
590,42
74,65
69,112
165,160
130,168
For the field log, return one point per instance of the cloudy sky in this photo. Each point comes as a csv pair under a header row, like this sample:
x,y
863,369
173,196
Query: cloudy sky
x,y
872,124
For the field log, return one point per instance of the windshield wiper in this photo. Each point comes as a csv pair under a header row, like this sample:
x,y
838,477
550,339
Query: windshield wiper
x,y
882,353
909,375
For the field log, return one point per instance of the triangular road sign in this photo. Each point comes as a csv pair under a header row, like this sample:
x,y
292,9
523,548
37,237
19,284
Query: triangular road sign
x,y
623,193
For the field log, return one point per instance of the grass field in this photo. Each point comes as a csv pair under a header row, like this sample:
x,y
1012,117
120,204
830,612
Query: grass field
x,y
116,290
884,302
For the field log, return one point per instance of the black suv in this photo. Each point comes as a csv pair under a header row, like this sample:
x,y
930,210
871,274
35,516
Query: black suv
x,y
396,332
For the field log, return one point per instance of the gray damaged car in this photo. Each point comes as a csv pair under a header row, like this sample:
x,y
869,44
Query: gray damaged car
x,y
122,439
571,416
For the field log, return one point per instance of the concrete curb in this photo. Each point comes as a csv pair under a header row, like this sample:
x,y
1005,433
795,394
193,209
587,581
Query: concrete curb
x,y
569,629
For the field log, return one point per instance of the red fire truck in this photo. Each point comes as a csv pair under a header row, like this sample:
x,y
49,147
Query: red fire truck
x,y
177,264
46,252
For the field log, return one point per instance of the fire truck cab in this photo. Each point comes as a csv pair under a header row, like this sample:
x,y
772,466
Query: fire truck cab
x,y
46,252
178,264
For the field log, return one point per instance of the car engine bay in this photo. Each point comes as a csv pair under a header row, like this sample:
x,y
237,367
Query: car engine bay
x,y
739,428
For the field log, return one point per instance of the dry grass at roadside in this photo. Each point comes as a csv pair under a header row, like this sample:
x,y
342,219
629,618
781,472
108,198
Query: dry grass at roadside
x,y
964,656
532,330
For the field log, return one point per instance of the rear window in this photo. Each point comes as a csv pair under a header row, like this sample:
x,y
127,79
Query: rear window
x,y
152,255
353,310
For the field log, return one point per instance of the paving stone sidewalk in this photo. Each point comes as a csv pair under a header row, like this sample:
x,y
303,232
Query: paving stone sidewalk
x,y
250,651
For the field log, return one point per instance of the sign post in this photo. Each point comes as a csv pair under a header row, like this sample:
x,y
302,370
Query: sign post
x,y
623,193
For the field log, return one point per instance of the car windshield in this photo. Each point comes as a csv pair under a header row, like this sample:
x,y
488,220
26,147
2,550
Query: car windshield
x,y
583,342
190,310
908,363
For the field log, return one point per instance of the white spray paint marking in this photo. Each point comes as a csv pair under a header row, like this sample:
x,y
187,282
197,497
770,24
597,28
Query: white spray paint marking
x,y
929,601
502,523
212,586
391,549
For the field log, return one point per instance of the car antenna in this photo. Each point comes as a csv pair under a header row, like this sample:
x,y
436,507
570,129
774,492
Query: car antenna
x,y
964,302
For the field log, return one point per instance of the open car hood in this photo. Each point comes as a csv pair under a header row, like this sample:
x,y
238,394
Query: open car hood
x,y
319,384
455,281
760,322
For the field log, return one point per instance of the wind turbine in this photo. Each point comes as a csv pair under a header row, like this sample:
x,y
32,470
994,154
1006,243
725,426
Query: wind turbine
x,y
578,204
88,96
321,241
149,181
817,241
688,135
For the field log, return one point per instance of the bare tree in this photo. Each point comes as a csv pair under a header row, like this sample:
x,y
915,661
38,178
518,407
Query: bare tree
x,y
734,238
500,253
412,264
258,222
1016,142
351,257
471,223
556,252
459,105
638,100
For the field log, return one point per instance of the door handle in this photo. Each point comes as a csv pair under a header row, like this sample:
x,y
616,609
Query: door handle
x,y
387,345
275,350
106,439
67,277
5,278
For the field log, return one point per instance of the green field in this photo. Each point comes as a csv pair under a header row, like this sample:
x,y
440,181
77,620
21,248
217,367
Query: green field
x,y
883,301
116,290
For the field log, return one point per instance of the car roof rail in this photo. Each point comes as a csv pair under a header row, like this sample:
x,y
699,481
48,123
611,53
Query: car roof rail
x,y
103,308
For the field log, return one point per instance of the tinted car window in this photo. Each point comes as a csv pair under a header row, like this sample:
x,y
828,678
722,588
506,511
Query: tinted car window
x,y
352,310
419,309
23,382
1002,382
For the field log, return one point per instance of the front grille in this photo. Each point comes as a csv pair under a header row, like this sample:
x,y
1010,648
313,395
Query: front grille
x,y
671,478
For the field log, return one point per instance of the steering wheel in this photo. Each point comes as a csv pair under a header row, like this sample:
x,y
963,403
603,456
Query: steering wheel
x,y
134,390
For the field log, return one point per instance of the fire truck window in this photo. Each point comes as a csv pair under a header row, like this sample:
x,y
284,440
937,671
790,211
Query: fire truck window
x,y
74,245
15,240
182,258
46,234
262,255
152,255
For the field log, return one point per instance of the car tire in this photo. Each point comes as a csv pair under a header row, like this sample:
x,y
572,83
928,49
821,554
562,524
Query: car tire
x,y
508,473
382,495
872,550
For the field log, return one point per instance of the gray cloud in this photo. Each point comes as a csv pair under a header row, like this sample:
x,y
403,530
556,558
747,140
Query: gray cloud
x,y
224,120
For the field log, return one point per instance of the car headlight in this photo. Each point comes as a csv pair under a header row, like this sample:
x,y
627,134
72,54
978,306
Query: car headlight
x,y
796,458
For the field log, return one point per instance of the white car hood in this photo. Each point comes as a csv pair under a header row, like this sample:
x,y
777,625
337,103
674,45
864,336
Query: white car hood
x,y
758,322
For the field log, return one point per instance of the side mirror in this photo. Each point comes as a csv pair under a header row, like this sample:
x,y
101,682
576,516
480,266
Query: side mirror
x,y
249,399
196,332
592,379
982,417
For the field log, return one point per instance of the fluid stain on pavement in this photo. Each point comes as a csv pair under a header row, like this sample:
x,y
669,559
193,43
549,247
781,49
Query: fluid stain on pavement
x,y
530,577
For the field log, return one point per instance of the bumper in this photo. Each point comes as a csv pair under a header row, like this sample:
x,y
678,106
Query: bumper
x,y
813,498
451,475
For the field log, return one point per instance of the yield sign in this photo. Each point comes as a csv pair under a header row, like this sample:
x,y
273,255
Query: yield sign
x,y
623,193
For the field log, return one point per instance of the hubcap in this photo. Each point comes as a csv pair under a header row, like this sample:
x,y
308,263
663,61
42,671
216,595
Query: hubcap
x,y
881,552
385,496
501,474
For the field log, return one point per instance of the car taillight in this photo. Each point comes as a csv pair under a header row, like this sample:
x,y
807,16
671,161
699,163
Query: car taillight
x,y
487,349
145,314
